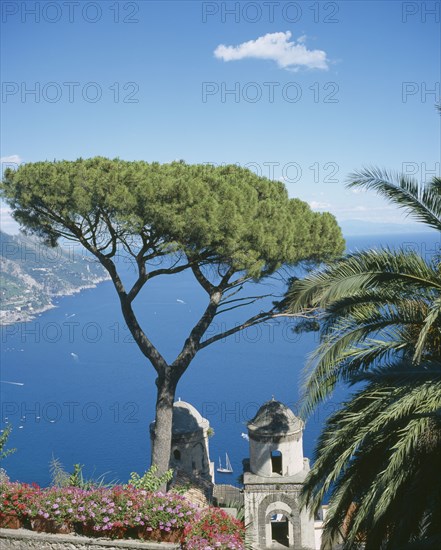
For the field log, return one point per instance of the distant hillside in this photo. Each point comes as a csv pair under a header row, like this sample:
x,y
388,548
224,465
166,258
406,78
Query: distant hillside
x,y
361,227
32,274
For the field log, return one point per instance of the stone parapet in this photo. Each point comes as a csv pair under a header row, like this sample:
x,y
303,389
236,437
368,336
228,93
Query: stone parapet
x,y
274,481
23,539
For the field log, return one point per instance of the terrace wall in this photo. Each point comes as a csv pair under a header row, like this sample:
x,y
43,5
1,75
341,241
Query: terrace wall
x,y
23,539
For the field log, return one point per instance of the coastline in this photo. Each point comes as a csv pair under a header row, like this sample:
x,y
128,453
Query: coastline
x,y
9,317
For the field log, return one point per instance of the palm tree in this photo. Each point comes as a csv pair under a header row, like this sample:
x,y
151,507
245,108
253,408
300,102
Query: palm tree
x,y
379,457
380,312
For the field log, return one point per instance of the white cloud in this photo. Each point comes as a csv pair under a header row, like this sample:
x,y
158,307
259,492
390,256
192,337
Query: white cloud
x,y
317,205
277,47
7,223
12,159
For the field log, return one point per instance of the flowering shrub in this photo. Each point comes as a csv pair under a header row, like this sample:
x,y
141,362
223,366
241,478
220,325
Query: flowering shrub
x,y
15,498
220,542
4,478
129,507
166,511
108,512
58,504
101,510
214,529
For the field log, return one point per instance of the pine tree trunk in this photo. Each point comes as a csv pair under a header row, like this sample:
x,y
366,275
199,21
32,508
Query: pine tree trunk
x,y
162,432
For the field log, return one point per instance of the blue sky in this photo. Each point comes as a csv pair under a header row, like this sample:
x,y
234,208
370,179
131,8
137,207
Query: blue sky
x,y
317,89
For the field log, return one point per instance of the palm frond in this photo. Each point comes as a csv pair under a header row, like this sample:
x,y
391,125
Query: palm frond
x,y
433,318
360,455
402,269
422,202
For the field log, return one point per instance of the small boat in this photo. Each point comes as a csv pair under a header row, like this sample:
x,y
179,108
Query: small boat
x,y
228,469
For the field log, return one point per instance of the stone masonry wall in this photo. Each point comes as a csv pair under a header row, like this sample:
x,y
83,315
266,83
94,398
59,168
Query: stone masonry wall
x,y
22,539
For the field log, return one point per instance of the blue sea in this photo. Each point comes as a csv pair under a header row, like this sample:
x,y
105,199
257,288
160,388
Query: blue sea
x,y
83,393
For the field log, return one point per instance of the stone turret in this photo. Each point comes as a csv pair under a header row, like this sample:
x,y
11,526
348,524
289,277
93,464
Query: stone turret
x,y
277,470
190,451
276,445
189,446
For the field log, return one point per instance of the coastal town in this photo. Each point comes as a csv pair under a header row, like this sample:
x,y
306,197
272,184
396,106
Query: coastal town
x,y
33,276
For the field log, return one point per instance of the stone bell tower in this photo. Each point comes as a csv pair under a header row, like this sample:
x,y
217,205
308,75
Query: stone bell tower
x,y
190,450
273,481
190,456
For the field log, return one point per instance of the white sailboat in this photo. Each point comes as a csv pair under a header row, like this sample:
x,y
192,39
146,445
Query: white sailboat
x,y
228,469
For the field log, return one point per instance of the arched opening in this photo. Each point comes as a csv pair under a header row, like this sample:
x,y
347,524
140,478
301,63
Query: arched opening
x,y
276,462
279,531
177,454
278,520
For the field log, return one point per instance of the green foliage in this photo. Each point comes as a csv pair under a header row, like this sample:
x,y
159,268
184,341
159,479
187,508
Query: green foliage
x,y
380,323
372,305
226,214
150,481
76,477
210,432
3,440
61,478
180,489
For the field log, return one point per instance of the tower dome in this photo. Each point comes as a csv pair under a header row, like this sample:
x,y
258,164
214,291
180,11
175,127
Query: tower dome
x,y
274,419
275,435
187,419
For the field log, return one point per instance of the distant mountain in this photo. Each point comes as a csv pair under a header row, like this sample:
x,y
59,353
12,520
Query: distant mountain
x,y
361,227
32,274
